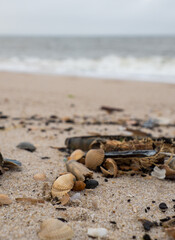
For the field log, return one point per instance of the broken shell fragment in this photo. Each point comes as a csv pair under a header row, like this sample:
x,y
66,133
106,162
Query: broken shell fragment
x,y
39,177
10,163
63,185
5,200
94,158
54,229
110,168
77,155
78,170
170,232
79,186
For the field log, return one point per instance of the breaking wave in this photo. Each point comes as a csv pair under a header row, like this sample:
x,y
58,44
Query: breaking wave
x,y
157,68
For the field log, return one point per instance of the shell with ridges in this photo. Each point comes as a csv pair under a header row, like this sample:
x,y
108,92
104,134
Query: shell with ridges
x,y
78,170
54,229
110,168
63,185
94,158
77,155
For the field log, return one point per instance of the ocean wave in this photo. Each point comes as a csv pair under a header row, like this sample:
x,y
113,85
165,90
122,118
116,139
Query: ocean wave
x,y
157,68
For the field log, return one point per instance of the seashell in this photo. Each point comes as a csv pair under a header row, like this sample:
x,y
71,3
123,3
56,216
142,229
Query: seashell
x,y
78,170
94,158
5,200
79,186
10,163
39,177
63,185
54,229
110,169
172,163
170,173
26,146
77,155
65,199
158,173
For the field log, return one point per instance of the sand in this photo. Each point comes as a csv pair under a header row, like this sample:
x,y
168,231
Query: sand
x,y
122,200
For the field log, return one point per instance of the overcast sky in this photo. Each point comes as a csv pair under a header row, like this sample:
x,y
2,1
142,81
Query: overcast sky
x,y
72,17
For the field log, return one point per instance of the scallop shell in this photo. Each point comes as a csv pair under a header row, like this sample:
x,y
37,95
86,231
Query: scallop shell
x,y
78,170
63,185
110,168
94,158
54,229
79,186
77,155
5,200
40,177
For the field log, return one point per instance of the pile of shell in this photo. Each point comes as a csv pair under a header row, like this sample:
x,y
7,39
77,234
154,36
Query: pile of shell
x,y
114,157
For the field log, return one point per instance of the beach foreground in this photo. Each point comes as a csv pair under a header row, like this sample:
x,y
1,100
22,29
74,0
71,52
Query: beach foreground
x,y
117,203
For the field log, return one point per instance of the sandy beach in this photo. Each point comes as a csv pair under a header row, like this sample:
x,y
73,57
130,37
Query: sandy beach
x,y
116,204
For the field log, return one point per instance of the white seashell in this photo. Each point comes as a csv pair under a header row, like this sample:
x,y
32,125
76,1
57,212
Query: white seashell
x,y
97,232
54,229
158,173
75,197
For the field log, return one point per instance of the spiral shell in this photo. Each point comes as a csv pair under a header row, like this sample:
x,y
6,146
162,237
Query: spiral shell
x,y
94,158
63,185
54,229
77,155
110,169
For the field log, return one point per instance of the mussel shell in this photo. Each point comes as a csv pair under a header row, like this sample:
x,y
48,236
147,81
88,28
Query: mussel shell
x,y
10,163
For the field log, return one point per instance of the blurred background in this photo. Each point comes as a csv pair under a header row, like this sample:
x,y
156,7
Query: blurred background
x,y
115,39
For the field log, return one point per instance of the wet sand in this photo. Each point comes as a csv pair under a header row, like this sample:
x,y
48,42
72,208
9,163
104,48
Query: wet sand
x,y
122,200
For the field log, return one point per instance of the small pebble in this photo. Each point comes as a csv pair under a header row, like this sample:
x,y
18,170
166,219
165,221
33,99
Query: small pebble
x,y
163,206
39,177
147,225
91,184
26,146
146,237
165,219
76,196
97,232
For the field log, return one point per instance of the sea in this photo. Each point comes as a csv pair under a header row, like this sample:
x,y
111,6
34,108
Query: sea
x,y
142,58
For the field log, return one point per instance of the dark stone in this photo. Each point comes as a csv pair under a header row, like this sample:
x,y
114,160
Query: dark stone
x,y
106,180
113,222
45,157
163,206
26,146
146,237
147,225
2,128
91,184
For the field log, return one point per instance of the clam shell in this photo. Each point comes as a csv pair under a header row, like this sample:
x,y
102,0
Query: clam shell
x,y
63,185
5,200
78,170
77,155
54,229
110,168
94,158
79,186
